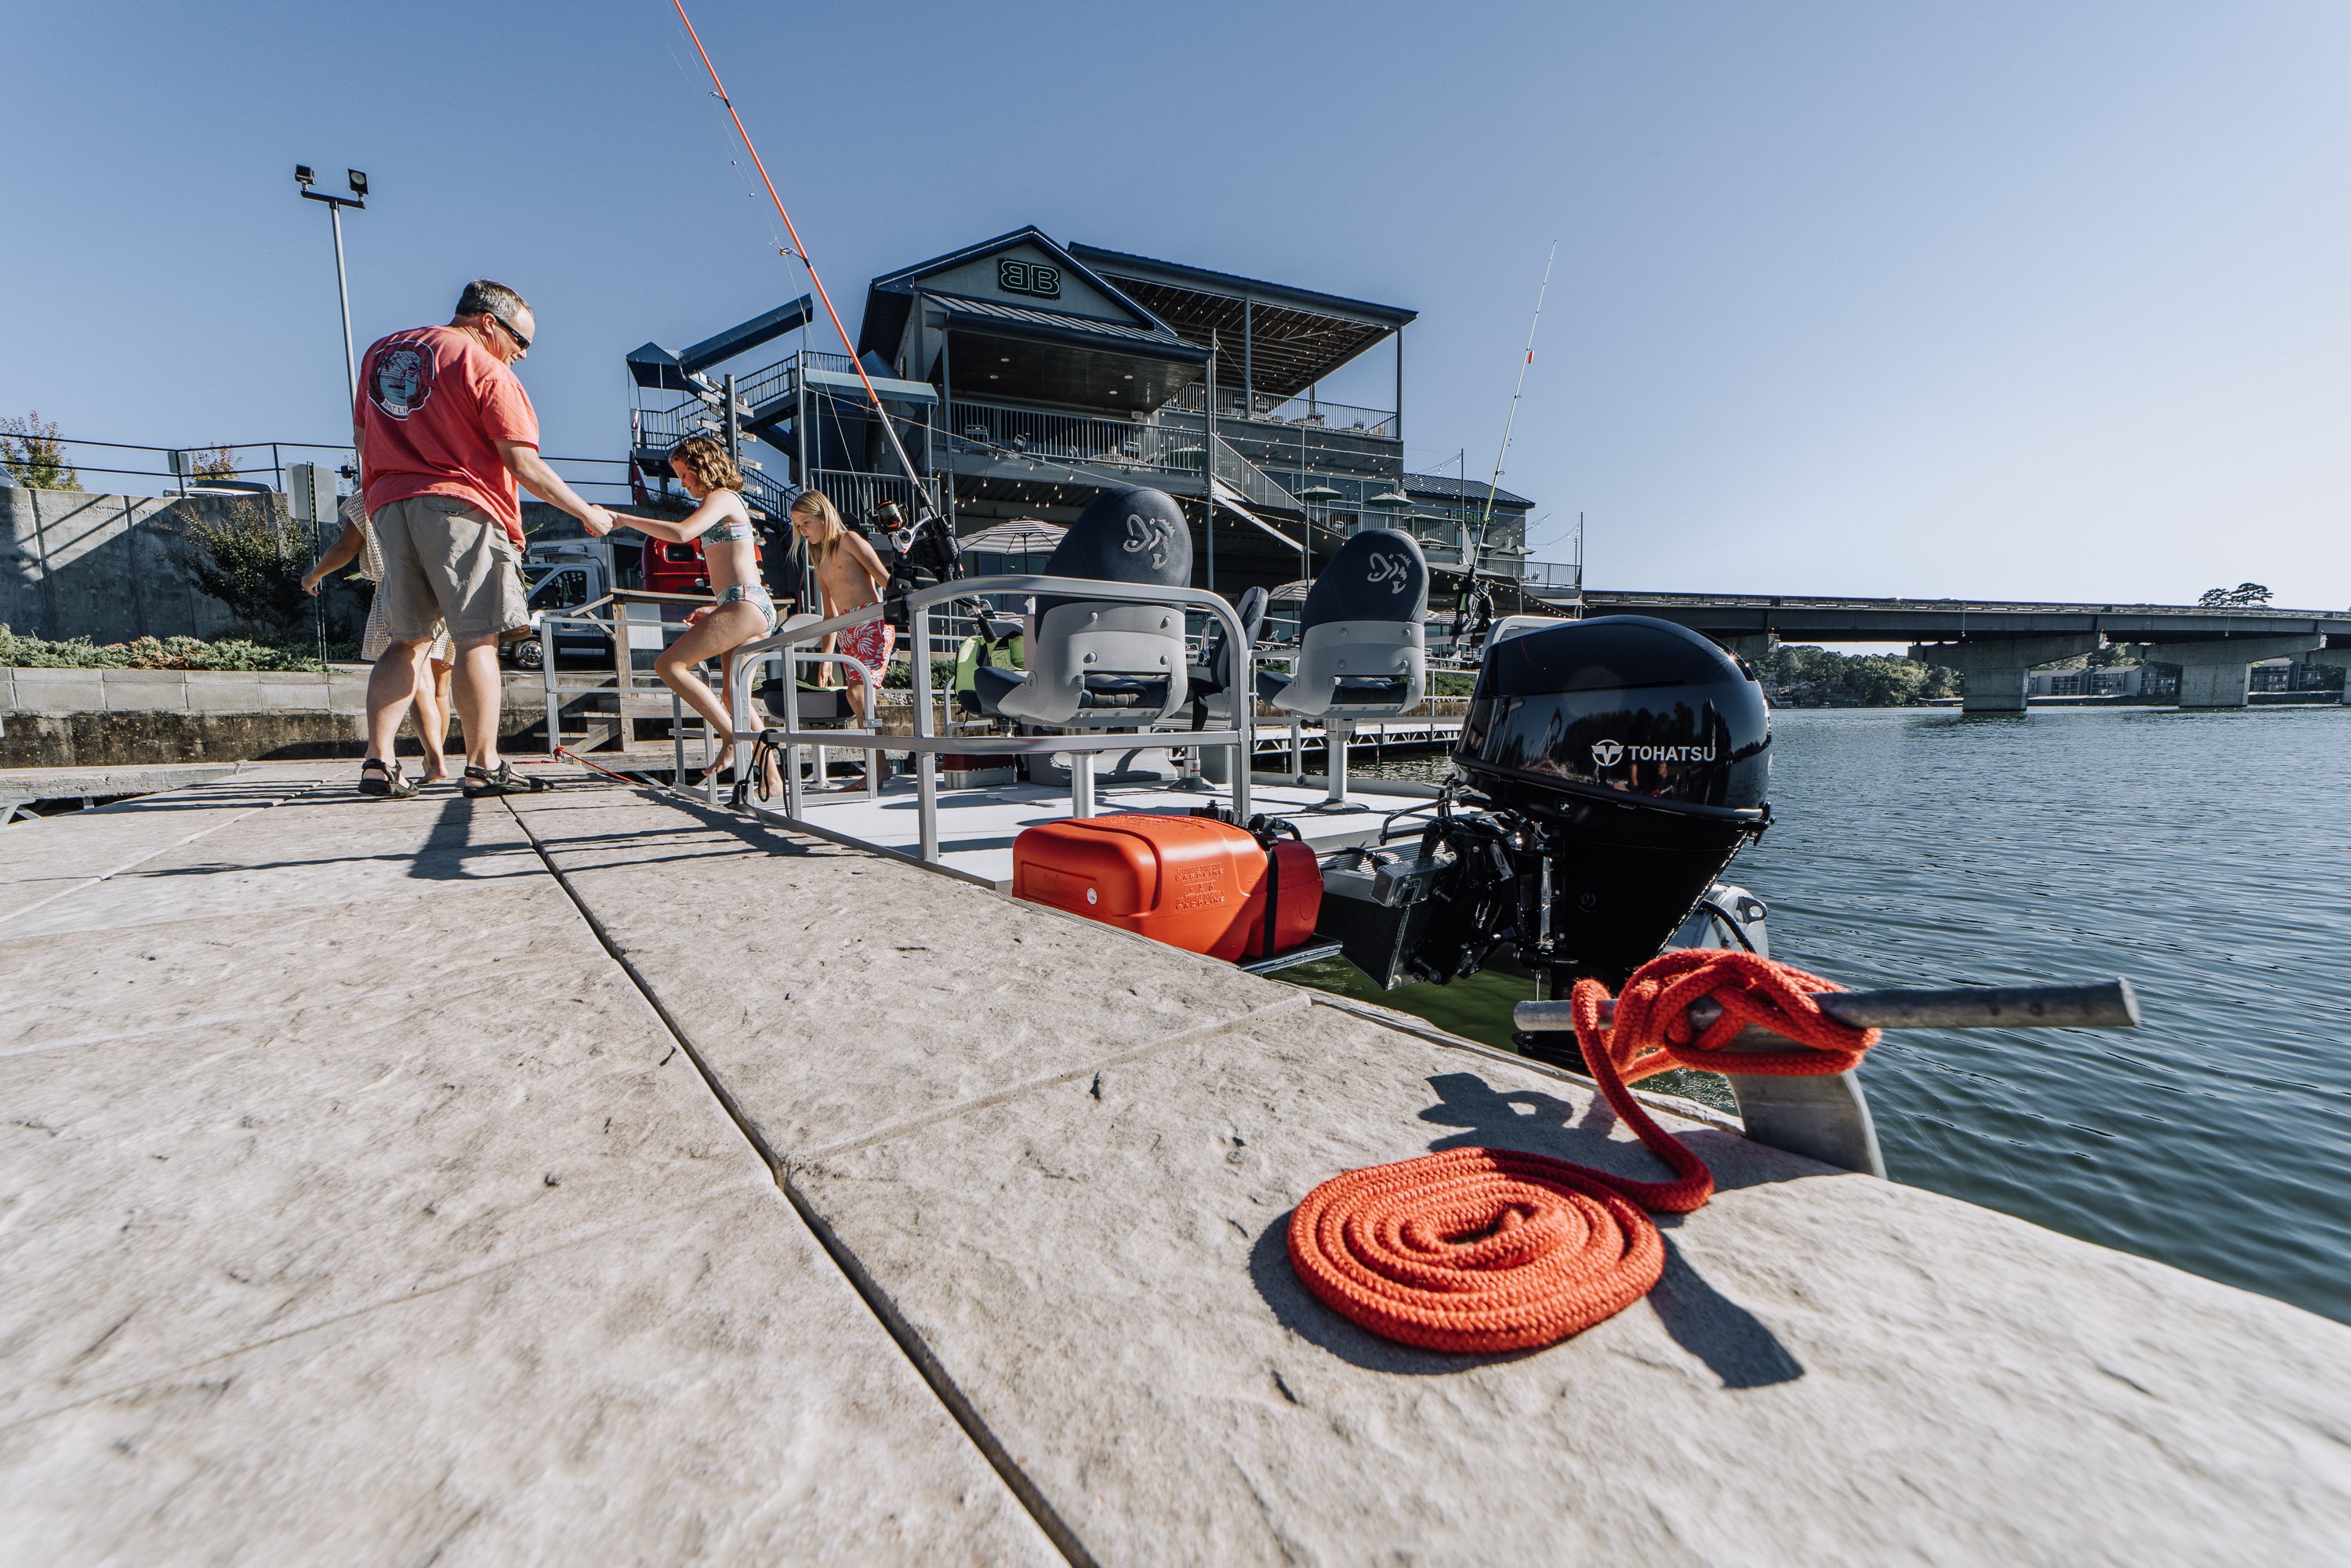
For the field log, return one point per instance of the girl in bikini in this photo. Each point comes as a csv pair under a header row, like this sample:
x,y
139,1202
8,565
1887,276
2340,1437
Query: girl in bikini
x,y
850,577
745,611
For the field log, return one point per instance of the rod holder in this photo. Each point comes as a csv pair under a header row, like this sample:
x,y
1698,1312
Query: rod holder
x,y
2108,1004
1827,1118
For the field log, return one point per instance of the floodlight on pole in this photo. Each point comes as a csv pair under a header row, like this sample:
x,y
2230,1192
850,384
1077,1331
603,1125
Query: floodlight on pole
x,y
305,178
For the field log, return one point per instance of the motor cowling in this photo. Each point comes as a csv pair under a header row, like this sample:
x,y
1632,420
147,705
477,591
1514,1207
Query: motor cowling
x,y
1638,753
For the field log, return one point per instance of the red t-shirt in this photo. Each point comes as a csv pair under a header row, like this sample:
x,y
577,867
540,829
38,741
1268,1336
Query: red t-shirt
x,y
432,404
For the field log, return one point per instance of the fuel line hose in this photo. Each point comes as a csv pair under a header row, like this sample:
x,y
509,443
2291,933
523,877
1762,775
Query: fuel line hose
x,y
1490,1250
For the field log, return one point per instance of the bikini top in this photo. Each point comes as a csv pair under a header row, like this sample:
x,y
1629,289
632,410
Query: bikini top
x,y
733,531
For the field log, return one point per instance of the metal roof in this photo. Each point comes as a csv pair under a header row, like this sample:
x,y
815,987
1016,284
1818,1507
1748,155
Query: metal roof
x,y
995,314
1207,281
1446,488
890,297
1294,337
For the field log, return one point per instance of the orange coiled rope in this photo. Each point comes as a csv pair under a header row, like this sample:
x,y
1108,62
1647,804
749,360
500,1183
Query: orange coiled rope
x,y
1489,1250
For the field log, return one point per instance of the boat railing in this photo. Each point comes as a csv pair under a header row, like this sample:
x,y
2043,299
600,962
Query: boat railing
x,y
933,737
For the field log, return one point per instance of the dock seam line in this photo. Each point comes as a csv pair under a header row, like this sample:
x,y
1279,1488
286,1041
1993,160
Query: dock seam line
x,y
88,883
877,1301
1118,1059
1404,1023
644,988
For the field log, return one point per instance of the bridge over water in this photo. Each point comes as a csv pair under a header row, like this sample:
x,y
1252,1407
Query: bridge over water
x,y
1993,643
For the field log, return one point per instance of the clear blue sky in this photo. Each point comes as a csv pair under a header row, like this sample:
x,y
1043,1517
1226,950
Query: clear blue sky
x,y
1992,297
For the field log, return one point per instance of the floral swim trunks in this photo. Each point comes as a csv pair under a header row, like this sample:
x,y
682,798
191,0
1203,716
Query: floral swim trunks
x,y
870,642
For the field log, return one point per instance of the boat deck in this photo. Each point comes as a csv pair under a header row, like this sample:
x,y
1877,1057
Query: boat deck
x,y
977,826
592,1177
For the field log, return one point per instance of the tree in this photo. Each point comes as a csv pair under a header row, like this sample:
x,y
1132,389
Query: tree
x,y
34,454
214,463
1883,680
2243,593
1811,675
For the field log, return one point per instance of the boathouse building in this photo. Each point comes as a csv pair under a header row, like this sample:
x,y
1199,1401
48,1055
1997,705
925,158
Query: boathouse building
x,y
1025,377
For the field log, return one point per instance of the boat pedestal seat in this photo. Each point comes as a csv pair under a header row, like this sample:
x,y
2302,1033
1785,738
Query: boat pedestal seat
x,y
1362,651
1102,664
817,705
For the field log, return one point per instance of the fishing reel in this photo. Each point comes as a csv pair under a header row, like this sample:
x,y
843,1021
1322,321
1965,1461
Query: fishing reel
x,y
924,555
1473,619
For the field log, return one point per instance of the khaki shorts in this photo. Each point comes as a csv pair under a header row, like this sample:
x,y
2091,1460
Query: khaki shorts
x,y
445,564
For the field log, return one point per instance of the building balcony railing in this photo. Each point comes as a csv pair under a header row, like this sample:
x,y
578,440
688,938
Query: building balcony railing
x,y
1311,414
997,431
1550,578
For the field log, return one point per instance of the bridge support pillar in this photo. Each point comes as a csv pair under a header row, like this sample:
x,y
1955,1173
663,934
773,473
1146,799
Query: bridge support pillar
x,y
1748,645
2336,659
1992,669
2218,673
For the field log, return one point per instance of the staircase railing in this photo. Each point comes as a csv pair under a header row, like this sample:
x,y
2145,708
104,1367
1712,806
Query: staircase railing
x,y
762,387
861,496
1256,486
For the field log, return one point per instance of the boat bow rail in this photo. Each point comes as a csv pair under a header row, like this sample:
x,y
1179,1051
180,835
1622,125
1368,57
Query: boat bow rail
x,y
933,738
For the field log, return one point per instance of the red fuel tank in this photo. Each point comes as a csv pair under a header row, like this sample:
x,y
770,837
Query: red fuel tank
x,y
1190,882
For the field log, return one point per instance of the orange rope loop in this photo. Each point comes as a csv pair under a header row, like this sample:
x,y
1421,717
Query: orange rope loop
x,y
1489,1249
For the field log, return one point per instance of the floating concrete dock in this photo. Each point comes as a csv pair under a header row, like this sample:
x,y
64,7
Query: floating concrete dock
x,y
586,1178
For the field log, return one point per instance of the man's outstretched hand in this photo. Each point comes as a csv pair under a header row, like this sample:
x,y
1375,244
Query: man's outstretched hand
x,y
599,522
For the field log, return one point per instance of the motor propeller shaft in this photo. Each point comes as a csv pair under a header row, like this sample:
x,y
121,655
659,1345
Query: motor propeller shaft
x,y
2109,1004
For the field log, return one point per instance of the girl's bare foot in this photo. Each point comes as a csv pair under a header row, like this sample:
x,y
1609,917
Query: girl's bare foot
x,y
436,769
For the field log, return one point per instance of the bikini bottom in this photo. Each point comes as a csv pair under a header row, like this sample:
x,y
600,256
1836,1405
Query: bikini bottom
x,y
756,595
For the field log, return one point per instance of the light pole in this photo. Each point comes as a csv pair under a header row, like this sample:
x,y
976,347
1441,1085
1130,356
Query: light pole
x,y
357,200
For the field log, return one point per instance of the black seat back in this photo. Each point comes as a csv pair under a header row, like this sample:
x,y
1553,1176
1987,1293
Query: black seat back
x,y
1377,575
1137,536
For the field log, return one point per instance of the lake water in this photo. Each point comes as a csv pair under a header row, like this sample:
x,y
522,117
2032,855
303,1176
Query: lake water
x,y
2205,856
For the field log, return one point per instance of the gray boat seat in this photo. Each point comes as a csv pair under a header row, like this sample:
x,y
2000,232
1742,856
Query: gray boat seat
x,y
817,705
1362,651
1099,663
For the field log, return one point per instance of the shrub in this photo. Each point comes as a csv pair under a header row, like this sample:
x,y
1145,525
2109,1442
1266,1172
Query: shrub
x,y
152,654
248,556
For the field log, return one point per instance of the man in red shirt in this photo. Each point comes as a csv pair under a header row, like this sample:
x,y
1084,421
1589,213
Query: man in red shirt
x,y
445,431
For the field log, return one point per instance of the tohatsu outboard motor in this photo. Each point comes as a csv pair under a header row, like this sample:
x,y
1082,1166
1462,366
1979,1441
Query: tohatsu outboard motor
x,y
1610,768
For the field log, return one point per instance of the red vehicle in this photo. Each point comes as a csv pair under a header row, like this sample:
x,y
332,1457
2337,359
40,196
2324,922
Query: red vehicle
x,y
677,568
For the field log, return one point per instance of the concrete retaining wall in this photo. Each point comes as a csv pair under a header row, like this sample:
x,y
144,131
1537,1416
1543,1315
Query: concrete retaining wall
x,y
101,567
104,567
114,718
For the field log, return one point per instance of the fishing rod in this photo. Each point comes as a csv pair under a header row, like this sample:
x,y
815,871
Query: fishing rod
x,y
1495,484
800,249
